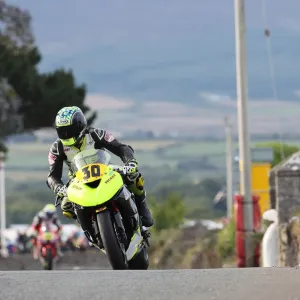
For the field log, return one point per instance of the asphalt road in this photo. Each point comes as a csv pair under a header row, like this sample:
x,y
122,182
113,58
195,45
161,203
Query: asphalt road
x,y
89,260
213,284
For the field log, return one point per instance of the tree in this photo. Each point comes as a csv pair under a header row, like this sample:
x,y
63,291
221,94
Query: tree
x,y
28,96
56,89
16,25
198,197
170,213
10,121
280,150
226,240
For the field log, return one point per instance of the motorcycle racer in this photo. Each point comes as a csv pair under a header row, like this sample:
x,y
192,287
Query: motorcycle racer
x,y
74,136
48,213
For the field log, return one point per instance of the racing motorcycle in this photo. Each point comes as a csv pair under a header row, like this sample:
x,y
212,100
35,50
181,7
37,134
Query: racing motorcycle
x,y
47,240
106,209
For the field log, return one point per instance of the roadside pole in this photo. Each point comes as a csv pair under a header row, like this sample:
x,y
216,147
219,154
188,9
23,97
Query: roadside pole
x,y
2,205
244,143
229,167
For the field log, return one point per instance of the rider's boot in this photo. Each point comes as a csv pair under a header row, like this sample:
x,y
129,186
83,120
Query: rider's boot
x,y
59,251
35,252
144,212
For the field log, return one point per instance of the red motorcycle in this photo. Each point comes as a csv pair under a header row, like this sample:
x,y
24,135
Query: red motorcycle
x,y
47,242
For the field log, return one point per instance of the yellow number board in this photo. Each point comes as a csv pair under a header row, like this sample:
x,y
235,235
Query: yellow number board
x,y
91,172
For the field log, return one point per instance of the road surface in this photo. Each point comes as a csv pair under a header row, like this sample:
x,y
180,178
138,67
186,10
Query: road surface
x,y
91,259
213,284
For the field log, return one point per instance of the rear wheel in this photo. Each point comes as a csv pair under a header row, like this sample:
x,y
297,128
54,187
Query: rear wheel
x,y
112,246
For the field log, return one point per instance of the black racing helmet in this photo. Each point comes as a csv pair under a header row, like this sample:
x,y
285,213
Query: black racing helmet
x,y
70,124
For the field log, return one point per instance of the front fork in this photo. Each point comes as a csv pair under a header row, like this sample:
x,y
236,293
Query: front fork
x,y
85,216
118,220
125,216
88,221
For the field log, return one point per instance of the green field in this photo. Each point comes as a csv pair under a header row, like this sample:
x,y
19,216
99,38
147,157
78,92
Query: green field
x,y
35,154
195,169
29,161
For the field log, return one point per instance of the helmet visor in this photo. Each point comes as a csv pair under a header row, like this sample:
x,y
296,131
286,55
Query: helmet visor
x,y
68,142
49,214
68,134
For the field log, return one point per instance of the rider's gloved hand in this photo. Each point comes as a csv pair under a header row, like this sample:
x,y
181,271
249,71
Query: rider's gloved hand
x,y
132,168
71,174
61,191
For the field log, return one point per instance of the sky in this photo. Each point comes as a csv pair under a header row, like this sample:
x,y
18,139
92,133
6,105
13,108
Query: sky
x,y
167,51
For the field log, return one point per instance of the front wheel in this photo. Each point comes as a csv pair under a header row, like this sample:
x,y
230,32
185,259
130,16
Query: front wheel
x,y
110,241
140,262
48,264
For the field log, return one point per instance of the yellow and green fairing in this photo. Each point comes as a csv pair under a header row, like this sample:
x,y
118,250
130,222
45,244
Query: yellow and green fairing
x,y
80,193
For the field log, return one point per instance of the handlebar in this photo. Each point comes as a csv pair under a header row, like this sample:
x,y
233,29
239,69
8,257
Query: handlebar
x,y
124,170
58,197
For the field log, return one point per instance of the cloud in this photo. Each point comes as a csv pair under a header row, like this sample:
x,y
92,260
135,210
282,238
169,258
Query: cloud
x,y
104,102
212,98
290,24
54,48
297,93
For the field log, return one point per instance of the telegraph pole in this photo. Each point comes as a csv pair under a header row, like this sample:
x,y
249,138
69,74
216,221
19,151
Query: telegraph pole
x,y
2,205
244,143
229,167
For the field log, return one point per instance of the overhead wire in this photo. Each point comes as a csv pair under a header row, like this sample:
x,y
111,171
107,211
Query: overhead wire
x,y
271,68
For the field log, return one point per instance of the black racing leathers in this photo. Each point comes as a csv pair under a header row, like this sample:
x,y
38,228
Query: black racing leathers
x,y
102,139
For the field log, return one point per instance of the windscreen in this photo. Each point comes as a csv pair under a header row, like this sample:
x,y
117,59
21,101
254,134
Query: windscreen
x,y
92,156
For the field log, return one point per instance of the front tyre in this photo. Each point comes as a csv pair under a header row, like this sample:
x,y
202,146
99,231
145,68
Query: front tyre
x,y
48,265
140,262
116,256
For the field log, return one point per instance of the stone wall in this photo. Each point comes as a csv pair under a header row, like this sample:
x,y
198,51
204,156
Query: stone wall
x,y
286,178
